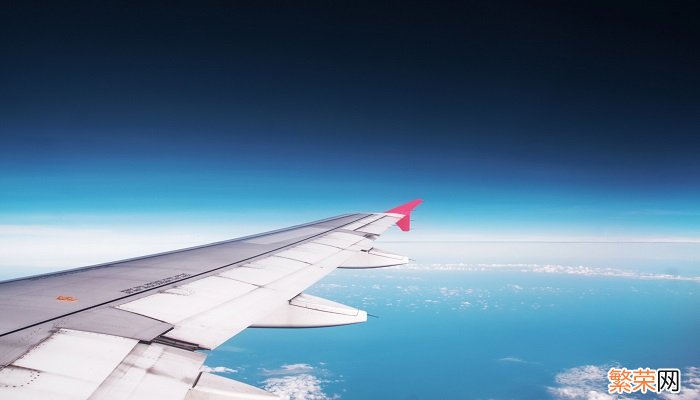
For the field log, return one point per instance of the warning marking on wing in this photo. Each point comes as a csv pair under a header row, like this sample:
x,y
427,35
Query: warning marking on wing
x,y
66,298
151,285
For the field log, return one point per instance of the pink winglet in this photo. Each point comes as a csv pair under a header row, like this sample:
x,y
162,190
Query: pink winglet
x,y
405,209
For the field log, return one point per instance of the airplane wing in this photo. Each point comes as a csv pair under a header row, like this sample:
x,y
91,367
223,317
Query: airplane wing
x,y
140,328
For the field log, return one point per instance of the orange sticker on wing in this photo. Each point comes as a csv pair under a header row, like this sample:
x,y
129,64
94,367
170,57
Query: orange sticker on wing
x,y
66,298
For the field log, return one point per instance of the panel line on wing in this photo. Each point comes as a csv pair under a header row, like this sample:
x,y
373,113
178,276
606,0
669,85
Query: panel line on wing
x,y
362,222
379,226
291,259
192,277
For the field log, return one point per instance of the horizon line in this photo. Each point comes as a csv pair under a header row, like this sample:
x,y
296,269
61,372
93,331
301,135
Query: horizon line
x,y
546,241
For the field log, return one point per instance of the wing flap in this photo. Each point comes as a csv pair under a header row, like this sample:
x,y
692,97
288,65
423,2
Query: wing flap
x,y
181,302
254,276
217,325
374,258
151,372
69,364
275,263
340,240
308,252
211,328
306,311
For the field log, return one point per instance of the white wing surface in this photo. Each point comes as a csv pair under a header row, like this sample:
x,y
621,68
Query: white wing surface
x,y
140,328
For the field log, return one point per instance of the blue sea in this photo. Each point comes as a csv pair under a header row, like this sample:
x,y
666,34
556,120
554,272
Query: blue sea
x,y
489,321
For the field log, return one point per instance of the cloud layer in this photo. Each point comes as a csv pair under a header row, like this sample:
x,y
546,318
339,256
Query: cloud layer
x,y
219,370
587,382
590,382
550,269
296,382
690,388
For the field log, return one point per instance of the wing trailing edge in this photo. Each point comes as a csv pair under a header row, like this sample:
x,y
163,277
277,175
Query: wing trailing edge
x,y
306,311
374,258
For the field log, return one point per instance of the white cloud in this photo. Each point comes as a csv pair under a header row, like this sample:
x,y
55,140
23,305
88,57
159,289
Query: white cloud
x,y
39,248
220,370
587,382
297,387
330,285
514,360
549,269
450,292
296,382
690,387
231,349
590,382
440,234
288,369
56,247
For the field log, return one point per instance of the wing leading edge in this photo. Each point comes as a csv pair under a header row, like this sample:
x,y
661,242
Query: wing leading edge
x,y
128,329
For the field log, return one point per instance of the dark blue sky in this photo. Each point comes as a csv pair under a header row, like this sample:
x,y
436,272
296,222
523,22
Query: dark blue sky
x,y
559,117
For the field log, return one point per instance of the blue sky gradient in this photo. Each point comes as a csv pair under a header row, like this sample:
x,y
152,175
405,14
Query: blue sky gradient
x,y
511,121
129,129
